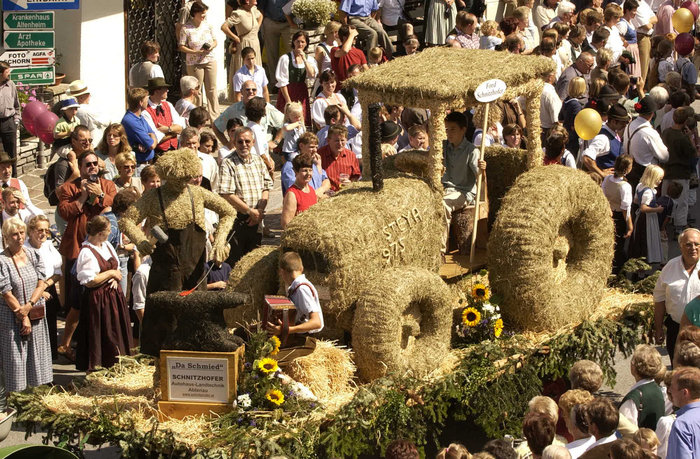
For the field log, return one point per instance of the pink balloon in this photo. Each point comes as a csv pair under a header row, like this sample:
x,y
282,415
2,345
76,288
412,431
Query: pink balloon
x,y
30,113
693,7
684,43
44,125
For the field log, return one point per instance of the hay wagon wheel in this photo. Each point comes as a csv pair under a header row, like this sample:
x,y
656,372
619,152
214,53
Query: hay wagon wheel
x,y
402,328
551,248
255,274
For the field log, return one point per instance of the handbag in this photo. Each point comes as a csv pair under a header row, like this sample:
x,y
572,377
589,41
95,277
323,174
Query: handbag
x,y
37,312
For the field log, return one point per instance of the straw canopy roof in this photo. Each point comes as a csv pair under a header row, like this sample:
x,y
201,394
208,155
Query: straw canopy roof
x,y
448,75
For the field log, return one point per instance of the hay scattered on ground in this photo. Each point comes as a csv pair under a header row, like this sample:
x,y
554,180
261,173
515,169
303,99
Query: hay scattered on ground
x,y
551,248
328,372
135,380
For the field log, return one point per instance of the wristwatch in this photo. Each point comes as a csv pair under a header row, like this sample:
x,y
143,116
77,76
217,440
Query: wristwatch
x,y
32,303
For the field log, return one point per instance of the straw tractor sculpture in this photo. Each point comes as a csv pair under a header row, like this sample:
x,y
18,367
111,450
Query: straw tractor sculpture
x,y
374,249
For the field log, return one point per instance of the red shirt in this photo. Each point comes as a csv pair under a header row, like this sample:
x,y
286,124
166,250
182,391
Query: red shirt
x,y
340,65
345,163
304,200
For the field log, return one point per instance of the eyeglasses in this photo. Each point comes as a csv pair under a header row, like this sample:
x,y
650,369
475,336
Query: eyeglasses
x,y
251,89
91,163
85,140
128,166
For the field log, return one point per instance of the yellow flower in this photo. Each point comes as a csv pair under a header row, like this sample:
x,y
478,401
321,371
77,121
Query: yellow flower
x,y
481,292
275,396
275,345
498,327
267,365
470,317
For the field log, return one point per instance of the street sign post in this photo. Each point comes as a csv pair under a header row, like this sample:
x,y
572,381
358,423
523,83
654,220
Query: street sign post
x,y
29,39
29,58
33,76
29,20
34,5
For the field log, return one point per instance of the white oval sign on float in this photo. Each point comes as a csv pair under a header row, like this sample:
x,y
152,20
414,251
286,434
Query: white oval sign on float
x,y
490,90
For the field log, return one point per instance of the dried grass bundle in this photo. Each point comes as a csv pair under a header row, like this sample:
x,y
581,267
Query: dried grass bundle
x,y
255,274
328,372
416,162
346,241
403,321
551,249
503,166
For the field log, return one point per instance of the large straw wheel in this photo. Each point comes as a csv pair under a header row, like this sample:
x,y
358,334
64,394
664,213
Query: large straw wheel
x,y
402,323
551,249
257,275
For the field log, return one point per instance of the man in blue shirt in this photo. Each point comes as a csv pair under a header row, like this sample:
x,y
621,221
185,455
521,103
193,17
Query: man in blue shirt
x,y
684,440
276,25
358,13
140,135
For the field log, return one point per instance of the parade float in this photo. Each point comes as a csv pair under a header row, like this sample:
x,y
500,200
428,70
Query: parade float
x,y
412,344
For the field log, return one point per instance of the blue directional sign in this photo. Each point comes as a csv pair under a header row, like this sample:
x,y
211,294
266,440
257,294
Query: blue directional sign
x,y
39,5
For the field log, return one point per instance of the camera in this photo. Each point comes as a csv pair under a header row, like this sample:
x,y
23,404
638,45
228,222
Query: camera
x,y
93,178
206,46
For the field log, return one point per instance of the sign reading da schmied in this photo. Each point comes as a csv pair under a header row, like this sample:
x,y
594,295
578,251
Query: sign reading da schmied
x,y
33,5
33,76
197,379
490,90
16,39
29,20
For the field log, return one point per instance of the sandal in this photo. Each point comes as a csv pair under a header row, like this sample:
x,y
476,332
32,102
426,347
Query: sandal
x,y
67,352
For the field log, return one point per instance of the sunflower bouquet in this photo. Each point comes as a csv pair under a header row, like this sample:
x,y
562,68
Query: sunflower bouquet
x,y
481,318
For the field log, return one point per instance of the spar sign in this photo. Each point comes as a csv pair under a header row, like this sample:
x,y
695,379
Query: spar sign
x,y
29,57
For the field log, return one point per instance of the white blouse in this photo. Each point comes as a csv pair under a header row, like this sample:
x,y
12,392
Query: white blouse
x,y
319,106
87,266
50,258
282,73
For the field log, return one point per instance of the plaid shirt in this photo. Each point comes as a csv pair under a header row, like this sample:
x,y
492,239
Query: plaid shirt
x,y
247,180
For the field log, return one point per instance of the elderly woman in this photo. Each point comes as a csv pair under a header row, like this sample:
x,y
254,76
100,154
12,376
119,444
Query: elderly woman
x,y
126,165
52,263
190,89
104,330
24,333
197,41
301,194
113,142
293,69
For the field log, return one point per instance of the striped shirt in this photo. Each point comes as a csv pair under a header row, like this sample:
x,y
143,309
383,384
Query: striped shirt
x,y
344,163
246,179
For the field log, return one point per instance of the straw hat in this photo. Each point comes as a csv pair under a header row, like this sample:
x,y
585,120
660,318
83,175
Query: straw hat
x,y
5,158
77,88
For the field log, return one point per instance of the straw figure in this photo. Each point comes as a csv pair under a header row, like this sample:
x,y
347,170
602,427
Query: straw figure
x,y
551,249
255,274
177,209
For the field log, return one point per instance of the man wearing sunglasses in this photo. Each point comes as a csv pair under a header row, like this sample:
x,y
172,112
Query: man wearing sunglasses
x,y
78,201
270,123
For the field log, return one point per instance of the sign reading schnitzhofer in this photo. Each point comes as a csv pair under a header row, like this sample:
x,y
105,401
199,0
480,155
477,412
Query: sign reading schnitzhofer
x,y
198,379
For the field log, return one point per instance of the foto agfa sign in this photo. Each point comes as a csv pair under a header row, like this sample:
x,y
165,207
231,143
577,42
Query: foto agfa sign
x,y
29,58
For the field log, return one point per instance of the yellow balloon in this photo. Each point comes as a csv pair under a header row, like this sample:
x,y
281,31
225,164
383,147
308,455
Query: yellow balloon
x,y
683,20
588,123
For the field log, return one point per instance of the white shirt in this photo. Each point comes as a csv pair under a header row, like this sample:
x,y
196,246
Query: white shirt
x,y
614,44
49,257
646,146
578,447
603,441
260,147
87,266
599,146
177,119
282,72
550,106
629,408
614,192
305,298
643,16
243,75
94,120
139,282
210,169
34,210
319,107
676,287
663,430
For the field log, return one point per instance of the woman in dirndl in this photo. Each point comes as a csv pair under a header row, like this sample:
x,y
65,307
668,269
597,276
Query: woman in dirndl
x,y
104,330
25,351
646,238
629,33
293,69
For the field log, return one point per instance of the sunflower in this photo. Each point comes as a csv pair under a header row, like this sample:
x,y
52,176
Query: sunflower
x,y
498,327
275,345
275,396
481,292
470,317
267,365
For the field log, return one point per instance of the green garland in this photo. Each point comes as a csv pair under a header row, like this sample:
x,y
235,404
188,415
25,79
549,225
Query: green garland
x,y
491,385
